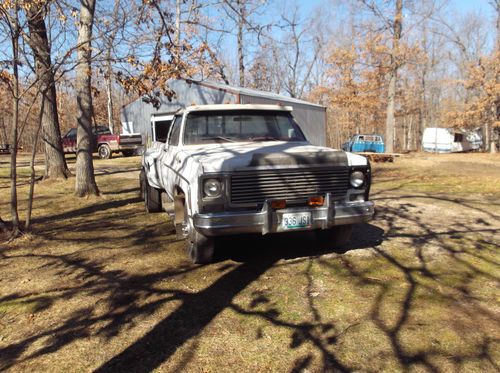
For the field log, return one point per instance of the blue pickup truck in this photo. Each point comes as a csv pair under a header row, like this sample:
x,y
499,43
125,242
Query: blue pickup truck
x,y
365,143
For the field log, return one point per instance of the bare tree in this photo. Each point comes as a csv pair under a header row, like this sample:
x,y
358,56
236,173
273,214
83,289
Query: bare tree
x,y
177,22
397,27
29,210
496,107
55,163
241,25
85,179
241,12
14,28
109,41
469,39
299,63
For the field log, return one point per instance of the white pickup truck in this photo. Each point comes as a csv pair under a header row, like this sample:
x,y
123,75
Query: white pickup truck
x,y
232,169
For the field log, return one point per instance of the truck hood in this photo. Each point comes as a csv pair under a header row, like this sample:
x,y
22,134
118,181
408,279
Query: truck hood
x,y
232,156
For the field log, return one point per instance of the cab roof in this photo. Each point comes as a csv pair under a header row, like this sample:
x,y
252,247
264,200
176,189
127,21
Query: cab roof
x,y
220,107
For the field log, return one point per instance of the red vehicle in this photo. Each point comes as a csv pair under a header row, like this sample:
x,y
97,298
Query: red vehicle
x,y
4,148
105,143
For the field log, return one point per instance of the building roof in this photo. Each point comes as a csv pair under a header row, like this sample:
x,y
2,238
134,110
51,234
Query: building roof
x,y
251,92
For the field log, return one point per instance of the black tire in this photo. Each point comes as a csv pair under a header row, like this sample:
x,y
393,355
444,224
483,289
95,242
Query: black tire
x,y
152,197
199,248
128,153
104,151
335,237
142,184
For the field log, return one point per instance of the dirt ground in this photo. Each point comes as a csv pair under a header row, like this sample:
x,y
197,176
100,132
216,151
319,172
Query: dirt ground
x,y
102,286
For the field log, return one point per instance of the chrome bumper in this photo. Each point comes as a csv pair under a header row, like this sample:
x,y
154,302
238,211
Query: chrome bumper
x,y
128,147
269,221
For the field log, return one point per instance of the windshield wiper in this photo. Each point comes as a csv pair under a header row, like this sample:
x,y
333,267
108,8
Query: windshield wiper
x,y
218,138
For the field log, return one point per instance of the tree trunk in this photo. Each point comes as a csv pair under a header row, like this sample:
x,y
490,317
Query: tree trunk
x,y
496,106
3,226
422,115
85,180
27,223
241,62
496,5
4,131
109,90
15,122
55,163
486,135
390,122
409,136
177,23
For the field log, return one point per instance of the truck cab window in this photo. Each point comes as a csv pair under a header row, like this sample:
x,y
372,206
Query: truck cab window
x,y
176,131
204,127
161,130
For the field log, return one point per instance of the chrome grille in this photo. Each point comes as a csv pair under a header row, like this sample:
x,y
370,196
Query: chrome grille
x,y
254,187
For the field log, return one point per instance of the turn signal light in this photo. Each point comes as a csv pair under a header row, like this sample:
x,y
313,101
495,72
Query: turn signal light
x,y
316,201
278,204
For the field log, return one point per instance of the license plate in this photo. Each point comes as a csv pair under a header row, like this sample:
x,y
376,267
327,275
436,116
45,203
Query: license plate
x,y
296,220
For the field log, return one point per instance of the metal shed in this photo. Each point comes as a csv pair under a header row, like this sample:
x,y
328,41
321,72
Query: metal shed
x,y
140,117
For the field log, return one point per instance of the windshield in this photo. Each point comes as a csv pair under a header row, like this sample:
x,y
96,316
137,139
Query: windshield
x,y
71,133
206,127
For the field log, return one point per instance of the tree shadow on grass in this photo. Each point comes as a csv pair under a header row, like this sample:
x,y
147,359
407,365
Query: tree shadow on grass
x,y
126,294
187,321
199,309
87,210
131,298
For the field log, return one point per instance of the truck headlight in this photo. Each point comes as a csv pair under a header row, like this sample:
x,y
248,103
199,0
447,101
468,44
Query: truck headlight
x,y
212,188
357,179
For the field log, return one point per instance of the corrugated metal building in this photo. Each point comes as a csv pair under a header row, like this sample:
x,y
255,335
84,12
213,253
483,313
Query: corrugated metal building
x,y
140,117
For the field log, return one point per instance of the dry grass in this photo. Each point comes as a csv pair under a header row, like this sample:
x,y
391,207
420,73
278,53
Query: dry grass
x,y
101,285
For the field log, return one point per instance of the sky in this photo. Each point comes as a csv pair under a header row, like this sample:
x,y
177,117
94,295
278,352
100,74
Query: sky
x,y
308,7
462,5
468,5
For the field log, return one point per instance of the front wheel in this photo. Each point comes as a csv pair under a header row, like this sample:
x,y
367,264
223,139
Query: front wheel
x,y
335,237
104,151
200,248
151,195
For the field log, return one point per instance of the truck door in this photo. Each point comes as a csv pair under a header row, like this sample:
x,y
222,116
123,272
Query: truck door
x,y
358,144
69,141
169,161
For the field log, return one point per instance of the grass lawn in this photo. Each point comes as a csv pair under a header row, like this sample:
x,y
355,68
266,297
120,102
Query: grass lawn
x,y
101,285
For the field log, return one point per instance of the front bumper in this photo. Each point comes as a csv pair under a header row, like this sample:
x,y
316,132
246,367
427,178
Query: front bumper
x,y
268,220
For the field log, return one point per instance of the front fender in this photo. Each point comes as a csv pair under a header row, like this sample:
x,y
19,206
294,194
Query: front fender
x,y
149,159
189,174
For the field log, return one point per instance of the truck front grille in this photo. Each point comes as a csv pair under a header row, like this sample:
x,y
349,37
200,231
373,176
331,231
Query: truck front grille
x,y
295,185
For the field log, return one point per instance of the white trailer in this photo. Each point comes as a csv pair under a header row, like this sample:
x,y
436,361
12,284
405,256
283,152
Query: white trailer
x,y
448,140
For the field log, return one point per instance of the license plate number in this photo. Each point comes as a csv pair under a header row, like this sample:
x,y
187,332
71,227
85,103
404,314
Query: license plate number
x,y
296,220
